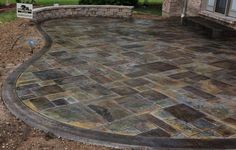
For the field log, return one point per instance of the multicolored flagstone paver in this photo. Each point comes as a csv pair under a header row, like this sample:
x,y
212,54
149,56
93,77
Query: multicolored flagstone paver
x,y
134,77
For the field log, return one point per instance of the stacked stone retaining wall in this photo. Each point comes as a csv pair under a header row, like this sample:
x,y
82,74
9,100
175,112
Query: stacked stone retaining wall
x,y
55,12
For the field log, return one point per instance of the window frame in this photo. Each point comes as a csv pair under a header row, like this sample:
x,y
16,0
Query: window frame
x,y
228,10
232,12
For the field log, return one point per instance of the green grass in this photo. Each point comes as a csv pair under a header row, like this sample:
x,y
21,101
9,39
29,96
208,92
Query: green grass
x,y
2,2
151,2
148,10
48,2
7,16
11,15
61,2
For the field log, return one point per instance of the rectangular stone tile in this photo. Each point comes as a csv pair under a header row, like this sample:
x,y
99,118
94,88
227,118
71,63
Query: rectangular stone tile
x,y
132,55
131,126
203,124
184,128
136,74
230,120
80,95
182,75
51,74
103,54
46,90
166,102
164,115
199,93
26,97
28,86
146,87
163,125
60,102
153,95
113,75
75,114
206,134
23,93
71,61
203,49
219,84
226,64
213,87
60,95
59,54
190,75
201,68
124,90
27,78
136,82
96,90
114,84
166,82
218,110
109,110
148,58
71,100
131,46
42,65
73,79
112,63
184,112
135,103
155,133
233,73
100,78
46,83
225,131
181,61
41,103
157,67
167,55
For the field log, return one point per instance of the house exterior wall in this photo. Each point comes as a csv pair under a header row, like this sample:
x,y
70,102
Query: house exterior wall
x,y
175,7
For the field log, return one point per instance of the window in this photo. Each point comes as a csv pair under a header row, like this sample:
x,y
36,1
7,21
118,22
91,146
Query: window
x,y
233,6
232,11
211,2
220,6
225,7
210,5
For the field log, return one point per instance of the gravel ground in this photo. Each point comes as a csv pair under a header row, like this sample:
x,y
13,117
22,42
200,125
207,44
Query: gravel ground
x,y
14,134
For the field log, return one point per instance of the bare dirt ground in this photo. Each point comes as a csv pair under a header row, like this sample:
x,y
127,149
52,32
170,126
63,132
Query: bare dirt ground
x,y
14,134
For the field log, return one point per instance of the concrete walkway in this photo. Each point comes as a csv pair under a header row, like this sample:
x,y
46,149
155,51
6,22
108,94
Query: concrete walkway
x,y
129,82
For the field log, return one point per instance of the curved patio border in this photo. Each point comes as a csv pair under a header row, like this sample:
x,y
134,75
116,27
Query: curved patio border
x,y
55,12
36,120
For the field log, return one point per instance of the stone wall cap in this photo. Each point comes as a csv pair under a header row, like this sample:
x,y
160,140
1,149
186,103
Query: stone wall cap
x,y
81,6
225,19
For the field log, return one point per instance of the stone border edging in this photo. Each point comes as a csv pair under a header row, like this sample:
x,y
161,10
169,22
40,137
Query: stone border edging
x,y
36,120
55,12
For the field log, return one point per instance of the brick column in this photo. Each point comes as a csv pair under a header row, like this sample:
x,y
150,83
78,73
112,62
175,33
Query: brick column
x,y
194,7
174,7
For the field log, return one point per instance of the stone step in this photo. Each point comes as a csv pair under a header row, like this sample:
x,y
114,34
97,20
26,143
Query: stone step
x,y
211,28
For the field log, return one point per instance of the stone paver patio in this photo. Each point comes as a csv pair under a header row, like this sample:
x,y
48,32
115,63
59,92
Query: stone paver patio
x,y
138,78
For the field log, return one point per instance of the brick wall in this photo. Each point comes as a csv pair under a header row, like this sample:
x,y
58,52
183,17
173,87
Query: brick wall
x,y
175,7
54,12
194,7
